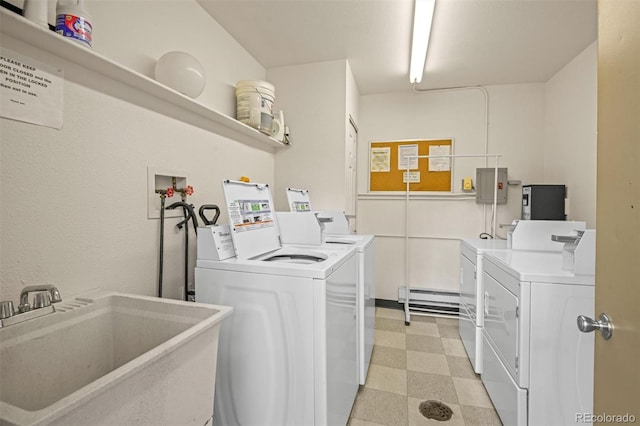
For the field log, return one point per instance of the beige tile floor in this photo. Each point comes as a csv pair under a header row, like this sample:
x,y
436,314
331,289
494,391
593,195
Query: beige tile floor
x,y
423,361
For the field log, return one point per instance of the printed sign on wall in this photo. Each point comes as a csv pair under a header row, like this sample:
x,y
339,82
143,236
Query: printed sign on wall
x,y
380,159
30,91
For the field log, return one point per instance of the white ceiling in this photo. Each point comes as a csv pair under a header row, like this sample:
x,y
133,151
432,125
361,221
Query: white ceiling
x,y
473,42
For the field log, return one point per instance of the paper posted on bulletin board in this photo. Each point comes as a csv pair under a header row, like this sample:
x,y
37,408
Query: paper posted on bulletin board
x,y
393,163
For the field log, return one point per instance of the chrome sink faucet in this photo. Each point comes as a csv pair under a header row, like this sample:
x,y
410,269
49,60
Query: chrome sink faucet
x,y
44,296
52,296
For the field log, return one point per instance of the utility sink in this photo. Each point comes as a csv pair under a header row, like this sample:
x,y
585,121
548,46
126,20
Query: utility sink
x,y
111,359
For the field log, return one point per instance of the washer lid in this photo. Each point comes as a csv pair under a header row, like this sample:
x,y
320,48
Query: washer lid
x,y
252,218
299,200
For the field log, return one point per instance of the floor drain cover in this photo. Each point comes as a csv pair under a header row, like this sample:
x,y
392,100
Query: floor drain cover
x,y
435,410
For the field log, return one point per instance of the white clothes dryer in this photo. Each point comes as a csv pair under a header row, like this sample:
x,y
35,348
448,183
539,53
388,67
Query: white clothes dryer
x,y
471,319
287,355
526,235
538,367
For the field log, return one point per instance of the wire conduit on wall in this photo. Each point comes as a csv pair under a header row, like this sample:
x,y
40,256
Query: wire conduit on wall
x,y
407,237
486,128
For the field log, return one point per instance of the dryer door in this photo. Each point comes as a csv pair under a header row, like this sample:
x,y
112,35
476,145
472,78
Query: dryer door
x,y
501,323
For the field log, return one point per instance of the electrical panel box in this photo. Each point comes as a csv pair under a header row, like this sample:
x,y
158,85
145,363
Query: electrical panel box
x,y
543,202
485,182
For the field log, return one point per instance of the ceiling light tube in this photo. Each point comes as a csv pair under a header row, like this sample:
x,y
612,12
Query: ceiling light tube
x,y
422,19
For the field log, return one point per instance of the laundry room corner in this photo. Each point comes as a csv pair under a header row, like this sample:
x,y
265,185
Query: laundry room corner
x,y
73,201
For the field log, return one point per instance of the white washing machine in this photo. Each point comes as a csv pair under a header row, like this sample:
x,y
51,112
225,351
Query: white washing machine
x,y
538,367
287,355
366,299
299,226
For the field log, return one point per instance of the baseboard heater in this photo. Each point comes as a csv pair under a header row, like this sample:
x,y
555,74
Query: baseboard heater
x,y
423,301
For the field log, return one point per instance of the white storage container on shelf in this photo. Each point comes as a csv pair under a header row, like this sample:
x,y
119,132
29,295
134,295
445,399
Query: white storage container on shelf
x,y
254,107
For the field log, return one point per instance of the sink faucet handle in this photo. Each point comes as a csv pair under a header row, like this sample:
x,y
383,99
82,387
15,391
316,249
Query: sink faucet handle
x,y
54,295
6,309
41,299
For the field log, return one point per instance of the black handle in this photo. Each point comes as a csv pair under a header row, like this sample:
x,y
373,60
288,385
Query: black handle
x,y
209,207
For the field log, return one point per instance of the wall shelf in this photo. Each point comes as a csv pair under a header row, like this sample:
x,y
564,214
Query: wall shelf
x,y
416,195
187,109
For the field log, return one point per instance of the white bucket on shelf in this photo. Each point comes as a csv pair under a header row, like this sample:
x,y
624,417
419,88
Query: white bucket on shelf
x,y
254,104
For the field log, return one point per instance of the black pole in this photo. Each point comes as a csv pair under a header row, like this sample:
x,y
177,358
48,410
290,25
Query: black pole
x,y
161,260
186,257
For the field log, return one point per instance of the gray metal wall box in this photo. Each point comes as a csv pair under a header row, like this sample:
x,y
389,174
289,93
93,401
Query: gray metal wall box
x,y
485,178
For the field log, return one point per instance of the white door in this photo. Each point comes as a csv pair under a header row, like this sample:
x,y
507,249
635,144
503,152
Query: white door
x,y
617,375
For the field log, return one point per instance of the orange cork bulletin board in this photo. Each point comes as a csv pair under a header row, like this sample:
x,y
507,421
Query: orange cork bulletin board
x,y
387,165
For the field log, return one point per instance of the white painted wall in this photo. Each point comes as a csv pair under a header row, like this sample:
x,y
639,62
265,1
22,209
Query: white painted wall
x,y
516,129
545,132
137,33
314,98
571,133
73,208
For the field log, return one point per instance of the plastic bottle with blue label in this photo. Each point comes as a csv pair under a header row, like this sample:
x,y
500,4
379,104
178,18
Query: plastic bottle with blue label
x,y
73,21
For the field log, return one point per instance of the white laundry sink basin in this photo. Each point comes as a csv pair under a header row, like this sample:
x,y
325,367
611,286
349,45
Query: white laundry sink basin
x,y
111,359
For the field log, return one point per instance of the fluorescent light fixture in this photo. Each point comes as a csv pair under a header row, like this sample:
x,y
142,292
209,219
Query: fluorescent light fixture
x,y
422,19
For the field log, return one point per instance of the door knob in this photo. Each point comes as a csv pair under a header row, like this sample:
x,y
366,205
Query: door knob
x,y
604,326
